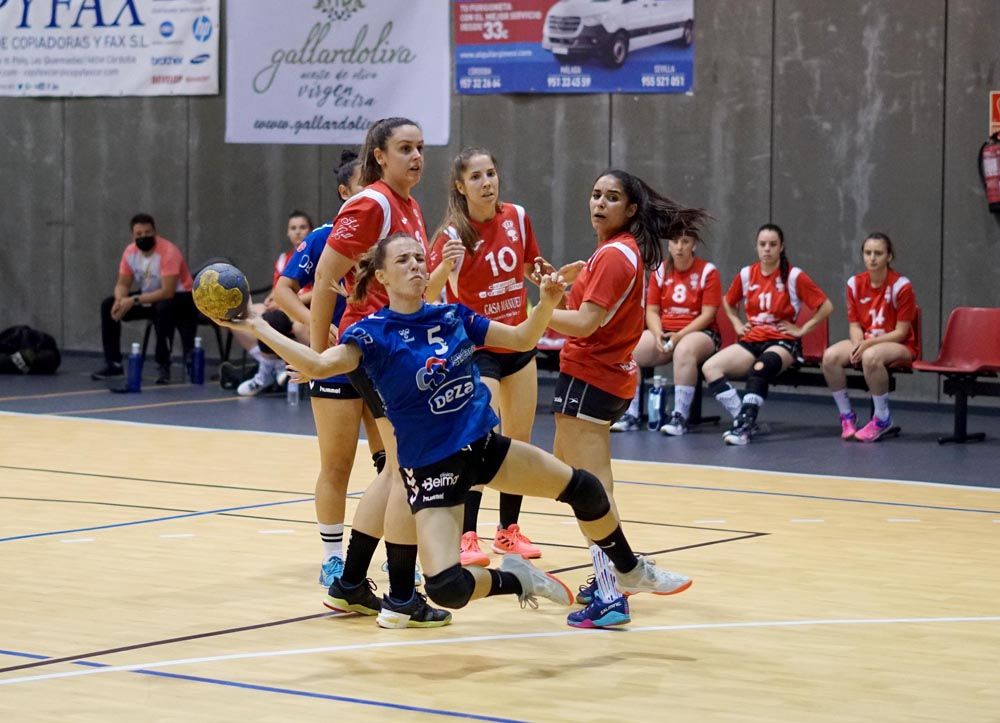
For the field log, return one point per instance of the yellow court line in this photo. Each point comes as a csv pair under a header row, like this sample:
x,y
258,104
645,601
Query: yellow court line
x,y
85,392
128,408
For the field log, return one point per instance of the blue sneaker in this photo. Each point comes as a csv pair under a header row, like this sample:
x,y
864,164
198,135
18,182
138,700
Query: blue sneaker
x,y
587,592
330,570
599,614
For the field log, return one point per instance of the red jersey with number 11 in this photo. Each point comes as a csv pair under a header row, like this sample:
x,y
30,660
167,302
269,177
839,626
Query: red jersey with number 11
x,y
767,299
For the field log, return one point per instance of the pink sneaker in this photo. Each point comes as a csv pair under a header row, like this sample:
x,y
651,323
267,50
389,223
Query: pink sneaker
x,y
470,554
510,540
847,425
874,430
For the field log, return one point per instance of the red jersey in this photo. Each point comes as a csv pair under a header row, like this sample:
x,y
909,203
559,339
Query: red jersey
x,y
363,220
768,300
612,279
877,310
490,281
681,295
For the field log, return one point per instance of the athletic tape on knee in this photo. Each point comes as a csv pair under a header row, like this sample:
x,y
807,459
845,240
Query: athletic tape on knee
x,y
451,588
586,495
770,366
378,459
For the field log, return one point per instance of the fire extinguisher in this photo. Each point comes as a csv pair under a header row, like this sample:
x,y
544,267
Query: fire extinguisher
x,y
989,170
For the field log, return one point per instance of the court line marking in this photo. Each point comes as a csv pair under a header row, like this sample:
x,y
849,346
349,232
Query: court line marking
x,y
154,519
806,519
355,647
289,691
85,392
75,540
153,405
674,465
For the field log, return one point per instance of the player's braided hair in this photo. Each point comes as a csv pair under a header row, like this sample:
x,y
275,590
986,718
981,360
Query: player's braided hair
x,y
657,217
372,261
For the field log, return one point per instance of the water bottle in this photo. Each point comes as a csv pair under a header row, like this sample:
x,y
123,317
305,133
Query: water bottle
x,y
133,381
293,393
198,362
654,403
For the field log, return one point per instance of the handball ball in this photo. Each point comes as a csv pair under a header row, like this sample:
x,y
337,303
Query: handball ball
x,y
221,291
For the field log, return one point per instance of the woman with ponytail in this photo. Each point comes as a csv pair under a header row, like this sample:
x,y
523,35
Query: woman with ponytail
x,y
772,292
604,320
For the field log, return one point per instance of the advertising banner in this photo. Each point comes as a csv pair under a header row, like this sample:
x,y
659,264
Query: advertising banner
x,y
322,71
573,46
109,47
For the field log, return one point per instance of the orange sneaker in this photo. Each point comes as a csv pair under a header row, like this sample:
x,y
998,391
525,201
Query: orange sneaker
x,y
511,540
470,553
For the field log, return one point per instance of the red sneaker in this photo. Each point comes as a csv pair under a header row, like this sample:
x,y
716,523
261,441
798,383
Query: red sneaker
x,y
470,554
511,541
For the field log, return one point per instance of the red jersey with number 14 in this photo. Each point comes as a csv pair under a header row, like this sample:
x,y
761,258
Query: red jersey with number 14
x,y
490,281
682,294
767,299
365,219
878,310
612,279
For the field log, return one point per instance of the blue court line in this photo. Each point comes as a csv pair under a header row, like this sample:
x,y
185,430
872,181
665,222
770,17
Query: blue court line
x,y
284,691
821,498
155,519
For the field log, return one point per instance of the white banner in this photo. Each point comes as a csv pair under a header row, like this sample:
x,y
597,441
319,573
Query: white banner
x,y
322,71
109,47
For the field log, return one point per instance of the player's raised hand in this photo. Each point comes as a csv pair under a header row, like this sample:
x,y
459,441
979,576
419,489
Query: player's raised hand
x,y
452,251
570,271
551,287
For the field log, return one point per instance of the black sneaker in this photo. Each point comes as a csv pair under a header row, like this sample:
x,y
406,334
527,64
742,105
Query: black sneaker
x,y
744,426
163,376
108,371
413,614
358,599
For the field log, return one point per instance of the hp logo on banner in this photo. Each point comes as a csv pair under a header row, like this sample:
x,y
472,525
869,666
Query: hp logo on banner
x,y
202,29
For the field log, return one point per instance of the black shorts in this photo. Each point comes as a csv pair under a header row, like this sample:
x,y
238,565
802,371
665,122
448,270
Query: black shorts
x,y
497,365
366,390
792,346
576,398
445,482
332,389
712,334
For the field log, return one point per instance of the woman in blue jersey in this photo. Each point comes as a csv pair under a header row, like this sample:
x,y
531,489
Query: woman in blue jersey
x,y
419,357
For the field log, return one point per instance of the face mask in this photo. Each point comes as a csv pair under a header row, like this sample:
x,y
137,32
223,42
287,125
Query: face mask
x,y
145,243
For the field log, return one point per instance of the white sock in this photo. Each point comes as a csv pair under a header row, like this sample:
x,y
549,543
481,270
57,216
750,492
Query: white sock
x,y
333,540
683,396
754,399
607,589
256,354
843,402
633,407
730,399
881,402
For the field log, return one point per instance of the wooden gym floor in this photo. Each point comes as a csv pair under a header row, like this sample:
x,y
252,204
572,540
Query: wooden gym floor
x,y
164,573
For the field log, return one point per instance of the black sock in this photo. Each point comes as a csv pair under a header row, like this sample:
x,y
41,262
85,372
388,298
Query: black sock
x,y
618,550
402,564
360,551
510,509
503,583
472,501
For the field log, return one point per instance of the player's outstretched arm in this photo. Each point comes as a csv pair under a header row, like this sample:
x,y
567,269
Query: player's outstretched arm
x,y
336,360
525,335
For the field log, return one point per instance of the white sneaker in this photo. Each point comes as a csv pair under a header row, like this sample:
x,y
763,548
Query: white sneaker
x,y
627,423
258,382
535,583
281,374
647,577
676,426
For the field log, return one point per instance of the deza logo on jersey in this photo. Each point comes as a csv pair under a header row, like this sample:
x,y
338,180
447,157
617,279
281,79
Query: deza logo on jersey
x,y
452,396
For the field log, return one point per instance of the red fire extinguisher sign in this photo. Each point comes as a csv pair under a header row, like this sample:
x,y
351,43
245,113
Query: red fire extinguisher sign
x,y
994,111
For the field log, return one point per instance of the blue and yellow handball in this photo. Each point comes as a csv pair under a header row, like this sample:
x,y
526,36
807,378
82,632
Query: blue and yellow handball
x,y
221,291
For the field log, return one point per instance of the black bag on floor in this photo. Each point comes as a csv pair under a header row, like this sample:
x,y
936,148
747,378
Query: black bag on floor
x,y
24,350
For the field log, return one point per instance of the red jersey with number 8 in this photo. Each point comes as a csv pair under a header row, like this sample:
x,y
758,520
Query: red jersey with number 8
x,y
681,295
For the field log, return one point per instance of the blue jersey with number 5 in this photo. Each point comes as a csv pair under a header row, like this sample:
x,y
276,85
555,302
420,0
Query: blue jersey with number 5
x,y
421,365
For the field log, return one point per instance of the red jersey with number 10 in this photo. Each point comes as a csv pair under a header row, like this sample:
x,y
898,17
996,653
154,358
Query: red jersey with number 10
x,y
365,219
878,310
767,299
612,279
681,295
490,281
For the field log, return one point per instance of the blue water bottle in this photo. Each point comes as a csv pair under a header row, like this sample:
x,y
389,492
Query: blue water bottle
x,y
654,403
133,382
198,362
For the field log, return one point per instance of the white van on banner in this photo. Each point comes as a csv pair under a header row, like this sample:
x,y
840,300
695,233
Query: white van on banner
x,y
109,47
322,71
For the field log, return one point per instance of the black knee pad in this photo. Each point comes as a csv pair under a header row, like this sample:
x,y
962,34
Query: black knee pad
x,y
766,368
586,495
718,386
451,588
378,459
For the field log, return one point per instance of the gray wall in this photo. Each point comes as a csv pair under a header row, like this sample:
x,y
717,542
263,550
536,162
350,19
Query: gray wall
x,y
829,117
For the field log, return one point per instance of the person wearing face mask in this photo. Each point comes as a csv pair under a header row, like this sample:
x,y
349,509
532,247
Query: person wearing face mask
x,y
154,282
